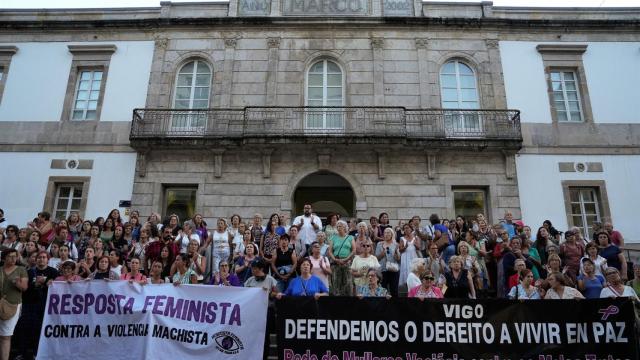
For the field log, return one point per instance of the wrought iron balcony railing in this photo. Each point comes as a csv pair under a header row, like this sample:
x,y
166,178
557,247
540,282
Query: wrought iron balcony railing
x,y
335,122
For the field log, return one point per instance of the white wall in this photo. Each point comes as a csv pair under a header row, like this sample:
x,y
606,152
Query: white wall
x,y
25,178
39,72
541,196
612,71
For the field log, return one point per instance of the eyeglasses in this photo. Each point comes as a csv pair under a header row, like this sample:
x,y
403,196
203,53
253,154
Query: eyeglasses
x,y
224,265
428,278
371,276
367,245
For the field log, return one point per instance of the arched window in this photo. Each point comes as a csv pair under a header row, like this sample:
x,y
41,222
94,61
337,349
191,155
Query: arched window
x,y
193,85
324,88
459,90
458,86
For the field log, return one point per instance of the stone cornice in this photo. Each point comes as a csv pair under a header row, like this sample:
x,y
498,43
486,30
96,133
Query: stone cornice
x,y
8,50
561,49
104,49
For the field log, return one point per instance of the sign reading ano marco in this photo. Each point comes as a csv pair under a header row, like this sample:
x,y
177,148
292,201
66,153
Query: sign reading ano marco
x,y
325,7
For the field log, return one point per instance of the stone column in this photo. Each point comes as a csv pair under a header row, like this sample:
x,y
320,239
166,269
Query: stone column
x,y
272,71
423,72
497,80
227,72
377,45
217,162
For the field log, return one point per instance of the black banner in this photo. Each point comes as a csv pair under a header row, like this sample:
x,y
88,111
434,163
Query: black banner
x,y
340,328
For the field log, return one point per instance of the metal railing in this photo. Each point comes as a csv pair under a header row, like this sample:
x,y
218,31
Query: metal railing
x,y
387,122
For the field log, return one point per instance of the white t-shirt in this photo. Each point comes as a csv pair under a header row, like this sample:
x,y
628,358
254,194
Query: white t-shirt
x,y
183,241
307,233
628,291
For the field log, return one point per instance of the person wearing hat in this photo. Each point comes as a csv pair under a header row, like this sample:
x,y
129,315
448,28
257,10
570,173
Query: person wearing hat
x,y
261,279
68,272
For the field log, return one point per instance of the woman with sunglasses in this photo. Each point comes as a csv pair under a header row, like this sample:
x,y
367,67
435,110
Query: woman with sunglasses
x,y
615,287
362,263
224,277
373,288
427,288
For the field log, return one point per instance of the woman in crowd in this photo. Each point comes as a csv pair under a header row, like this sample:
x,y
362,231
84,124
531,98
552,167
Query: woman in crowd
x,y
119,242
243,263
219,248
435,264
185,236
306,284
200,227
321,238
198,262
554,234
183,274
361,237
67,272
617,288
128,233
418,267
139,246
635,283
330,229
470,263
459,281
224,277
519,266
34,300
554,264
98,248
525,289
427,288
74,223
134,274
114,215
589,282
342,248
174,224
134,222
155,274
236,234
103,270
106,235
615,258
54,255
571,251
167,260
320,264
13,282
295,242
362,263
542,242
283,262
269,240
240,241
116,263
559,288
531,253
373,287
11,239
599,263
84,239
88,264
388,255
409,249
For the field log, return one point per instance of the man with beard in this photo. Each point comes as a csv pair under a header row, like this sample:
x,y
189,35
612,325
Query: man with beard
x,y
308,225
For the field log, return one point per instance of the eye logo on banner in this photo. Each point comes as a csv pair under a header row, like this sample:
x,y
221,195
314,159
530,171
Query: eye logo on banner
x,y
227,342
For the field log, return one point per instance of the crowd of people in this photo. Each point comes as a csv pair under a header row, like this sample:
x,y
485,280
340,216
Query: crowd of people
x,y
440,258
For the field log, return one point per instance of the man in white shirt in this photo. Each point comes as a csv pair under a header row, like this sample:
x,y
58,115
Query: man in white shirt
x,y
308,225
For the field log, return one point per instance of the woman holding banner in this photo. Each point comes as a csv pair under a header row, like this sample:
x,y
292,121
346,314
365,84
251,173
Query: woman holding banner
x,y
13,282
224,277
427,288
459,281
559,288
134,275
183,274
306,284
103,271
373,288
67,269
525,290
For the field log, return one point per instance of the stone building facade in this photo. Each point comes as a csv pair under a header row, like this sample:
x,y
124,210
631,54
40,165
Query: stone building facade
x,y
407,107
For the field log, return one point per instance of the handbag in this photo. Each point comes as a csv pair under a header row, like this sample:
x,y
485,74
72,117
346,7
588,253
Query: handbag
x,y
392,266
7,309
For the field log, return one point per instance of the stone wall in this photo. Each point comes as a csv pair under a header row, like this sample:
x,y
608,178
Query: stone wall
x,y
402,189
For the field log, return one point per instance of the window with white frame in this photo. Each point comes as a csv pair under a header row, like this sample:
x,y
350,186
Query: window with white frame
x,y
324,88
566,96
193,85
87,95
459,90
68,198
585,208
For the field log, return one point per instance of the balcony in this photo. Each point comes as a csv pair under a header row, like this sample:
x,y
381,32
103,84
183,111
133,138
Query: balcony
x,y
498,129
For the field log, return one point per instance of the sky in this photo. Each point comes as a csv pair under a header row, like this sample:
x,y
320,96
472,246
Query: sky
x,y
23,4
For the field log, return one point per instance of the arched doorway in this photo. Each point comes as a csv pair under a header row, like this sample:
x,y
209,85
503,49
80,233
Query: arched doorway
x,y
327,193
